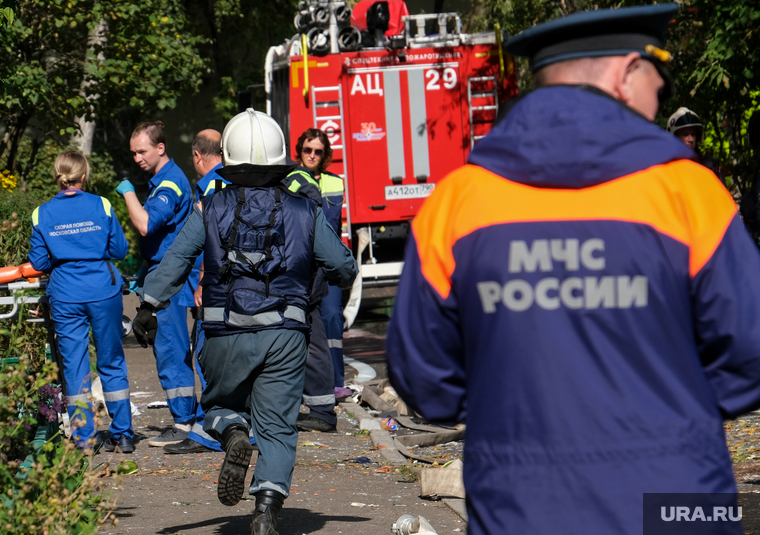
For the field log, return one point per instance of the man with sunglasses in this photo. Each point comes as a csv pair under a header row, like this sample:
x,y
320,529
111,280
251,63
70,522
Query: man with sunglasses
x,y
584,294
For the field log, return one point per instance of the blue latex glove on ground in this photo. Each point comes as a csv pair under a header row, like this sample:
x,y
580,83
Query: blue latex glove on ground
x,y
124,187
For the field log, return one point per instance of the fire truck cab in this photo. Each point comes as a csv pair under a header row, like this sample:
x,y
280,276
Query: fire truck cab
x,y
400,114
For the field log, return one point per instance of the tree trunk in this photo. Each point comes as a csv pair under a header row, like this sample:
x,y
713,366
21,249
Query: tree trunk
x,y
223,63
474,17
83,139
36,144
13,135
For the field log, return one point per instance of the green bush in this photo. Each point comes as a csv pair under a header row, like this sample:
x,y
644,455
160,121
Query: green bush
x,y
47,487
16,209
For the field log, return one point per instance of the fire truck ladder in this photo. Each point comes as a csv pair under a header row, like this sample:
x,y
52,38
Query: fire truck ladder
x,y
328,100
486,100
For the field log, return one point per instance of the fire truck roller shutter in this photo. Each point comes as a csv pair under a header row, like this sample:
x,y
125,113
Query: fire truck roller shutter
x,y
394,126
418,123
418,118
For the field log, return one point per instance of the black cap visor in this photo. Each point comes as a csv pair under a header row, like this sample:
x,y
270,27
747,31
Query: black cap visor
x,y
669,88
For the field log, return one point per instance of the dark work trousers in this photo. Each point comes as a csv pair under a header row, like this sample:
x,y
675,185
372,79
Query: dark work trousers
x,y
332,316
318,390
256,380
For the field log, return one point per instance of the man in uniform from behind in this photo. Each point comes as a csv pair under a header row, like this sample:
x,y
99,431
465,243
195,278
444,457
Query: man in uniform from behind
x,y
207,159
583,293
261,243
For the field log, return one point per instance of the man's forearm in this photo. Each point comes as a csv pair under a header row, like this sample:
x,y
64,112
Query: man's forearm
x,y
167,280
137,213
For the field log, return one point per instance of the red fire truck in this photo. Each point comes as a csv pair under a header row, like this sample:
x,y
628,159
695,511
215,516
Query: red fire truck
x,y
399,117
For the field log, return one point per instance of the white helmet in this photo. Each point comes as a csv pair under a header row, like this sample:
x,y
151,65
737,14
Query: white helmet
x,y
253,137
682,118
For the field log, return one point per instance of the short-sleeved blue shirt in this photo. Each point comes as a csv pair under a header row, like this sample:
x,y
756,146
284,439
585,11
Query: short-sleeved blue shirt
x,y
207,184
169,202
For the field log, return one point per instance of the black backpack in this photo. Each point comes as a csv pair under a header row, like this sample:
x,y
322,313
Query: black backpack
x,y
255,245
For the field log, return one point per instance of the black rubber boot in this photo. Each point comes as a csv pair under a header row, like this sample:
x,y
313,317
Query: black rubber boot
x,y
267,513
238,455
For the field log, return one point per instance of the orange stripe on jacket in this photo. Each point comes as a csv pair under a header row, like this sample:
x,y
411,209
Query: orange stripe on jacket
x,y
680,199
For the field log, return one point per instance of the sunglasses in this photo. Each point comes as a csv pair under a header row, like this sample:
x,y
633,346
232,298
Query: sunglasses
x,y
317,152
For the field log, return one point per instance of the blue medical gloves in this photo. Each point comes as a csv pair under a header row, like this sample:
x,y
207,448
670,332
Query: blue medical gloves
x,y
124,187
141,273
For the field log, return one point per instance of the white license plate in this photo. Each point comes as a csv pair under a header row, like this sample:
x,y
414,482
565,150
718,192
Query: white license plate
x,y
412,191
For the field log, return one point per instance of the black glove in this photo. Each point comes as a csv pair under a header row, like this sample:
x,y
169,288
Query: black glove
x,y
145,325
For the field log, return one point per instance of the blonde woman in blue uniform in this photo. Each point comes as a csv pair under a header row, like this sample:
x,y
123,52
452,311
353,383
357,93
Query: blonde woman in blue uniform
x,y
75,235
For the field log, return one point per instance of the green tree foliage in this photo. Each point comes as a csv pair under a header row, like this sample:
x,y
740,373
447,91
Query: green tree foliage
x,y
48,486
54,72
715,43
717,46
240,32
7,14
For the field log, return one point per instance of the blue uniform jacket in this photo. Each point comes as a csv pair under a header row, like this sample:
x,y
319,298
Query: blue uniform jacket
x,y
168,204
204,187
207,184
74,238
331,187
585,297
328,192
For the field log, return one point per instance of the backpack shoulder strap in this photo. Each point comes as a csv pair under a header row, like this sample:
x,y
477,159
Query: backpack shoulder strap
x,y
228,245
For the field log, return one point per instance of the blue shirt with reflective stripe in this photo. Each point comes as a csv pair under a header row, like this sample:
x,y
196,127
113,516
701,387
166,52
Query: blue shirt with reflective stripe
x,y
327,190
168,204
74,237
207,184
